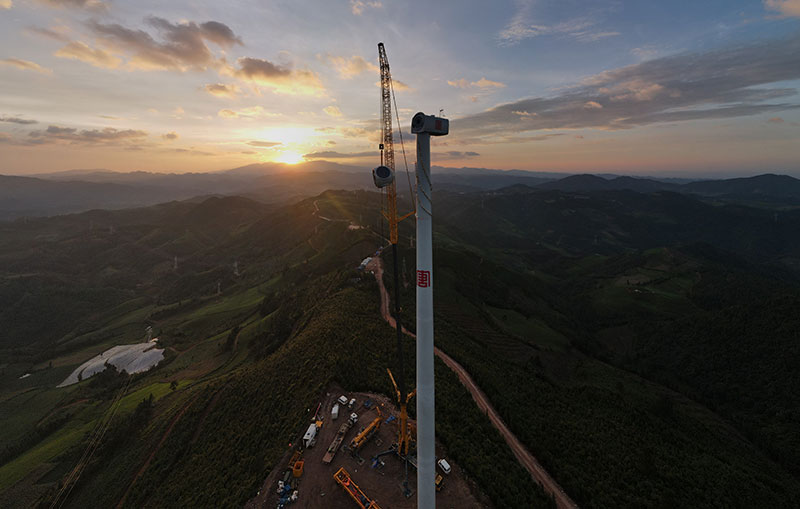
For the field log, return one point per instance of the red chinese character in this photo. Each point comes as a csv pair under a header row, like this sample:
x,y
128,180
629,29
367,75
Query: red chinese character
x,y
423,278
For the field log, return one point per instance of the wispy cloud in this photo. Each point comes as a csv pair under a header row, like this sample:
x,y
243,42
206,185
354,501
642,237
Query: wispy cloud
x,y
482,84
183,45
71,135
358,7
722,83
221,90
787,8
524,25
330,154
455,154
17,120
279,78
348,68
251,112
25,64
333,111
95,56
264,144
170,136
96,5
6,4
50,33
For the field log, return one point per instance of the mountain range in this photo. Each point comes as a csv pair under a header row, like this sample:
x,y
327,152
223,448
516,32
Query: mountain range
x,y
79,190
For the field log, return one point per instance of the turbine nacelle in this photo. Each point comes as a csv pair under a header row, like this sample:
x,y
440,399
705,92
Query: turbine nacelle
x,y
382,176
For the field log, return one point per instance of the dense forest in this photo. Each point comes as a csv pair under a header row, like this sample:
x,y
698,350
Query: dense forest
x,y
641,345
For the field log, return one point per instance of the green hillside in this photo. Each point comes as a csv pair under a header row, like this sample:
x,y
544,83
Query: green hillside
x,y
641,346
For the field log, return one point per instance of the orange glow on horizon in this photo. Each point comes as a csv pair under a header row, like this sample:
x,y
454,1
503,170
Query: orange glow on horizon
x,y
289,158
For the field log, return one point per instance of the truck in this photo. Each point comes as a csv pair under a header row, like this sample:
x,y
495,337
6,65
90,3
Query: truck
x,y
351,403
335,412
342,399
309,439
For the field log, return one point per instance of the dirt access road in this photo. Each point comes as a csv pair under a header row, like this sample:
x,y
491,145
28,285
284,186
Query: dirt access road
x,y
524,456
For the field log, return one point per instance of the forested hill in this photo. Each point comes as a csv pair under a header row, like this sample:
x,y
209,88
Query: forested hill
x,y
640,345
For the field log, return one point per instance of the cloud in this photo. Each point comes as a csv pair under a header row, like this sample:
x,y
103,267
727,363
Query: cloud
x,y
721,83
191,151
333,111
96,5
522,26
371,135
222,90
17,120
71,135
359,6
787,8
6,4
330,154
592,105
49,33
265,144
482,84
170,136
25,64
396,85
183,46
645,52
348,68
250,112
279,78
455,154
97,57
775,120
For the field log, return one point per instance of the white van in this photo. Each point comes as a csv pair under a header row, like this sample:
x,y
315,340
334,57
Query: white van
x,y
444,465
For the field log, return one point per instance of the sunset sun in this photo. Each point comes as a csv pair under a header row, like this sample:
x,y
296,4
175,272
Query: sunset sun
x,y
289,158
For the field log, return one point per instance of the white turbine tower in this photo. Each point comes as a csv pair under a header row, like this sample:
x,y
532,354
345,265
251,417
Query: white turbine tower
x,y
425,126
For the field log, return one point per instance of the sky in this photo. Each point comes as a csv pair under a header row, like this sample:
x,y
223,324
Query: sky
x,y
640,87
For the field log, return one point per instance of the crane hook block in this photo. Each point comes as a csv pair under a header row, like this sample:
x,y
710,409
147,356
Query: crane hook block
x,y
383,176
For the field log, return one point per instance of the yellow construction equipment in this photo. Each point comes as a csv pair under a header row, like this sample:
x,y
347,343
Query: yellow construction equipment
x,y
368,432
403,433
344,480
297,469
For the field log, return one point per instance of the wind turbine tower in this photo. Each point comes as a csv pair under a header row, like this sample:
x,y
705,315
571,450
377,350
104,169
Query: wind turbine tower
x,y
425,126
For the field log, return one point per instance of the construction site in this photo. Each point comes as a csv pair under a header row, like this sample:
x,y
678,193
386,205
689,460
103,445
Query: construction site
x,y
329,470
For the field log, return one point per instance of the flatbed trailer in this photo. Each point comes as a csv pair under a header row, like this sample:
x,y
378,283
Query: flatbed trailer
x,y
337,442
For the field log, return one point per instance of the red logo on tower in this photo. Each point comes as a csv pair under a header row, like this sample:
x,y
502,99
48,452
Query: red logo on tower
x,y
423,278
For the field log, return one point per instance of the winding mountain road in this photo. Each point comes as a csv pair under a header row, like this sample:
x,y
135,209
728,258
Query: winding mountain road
x,y
523,455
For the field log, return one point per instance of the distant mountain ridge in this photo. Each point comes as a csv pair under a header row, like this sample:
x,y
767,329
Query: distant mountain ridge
x,y
767,187
79,190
